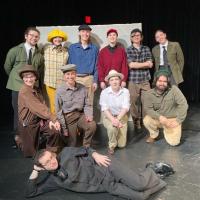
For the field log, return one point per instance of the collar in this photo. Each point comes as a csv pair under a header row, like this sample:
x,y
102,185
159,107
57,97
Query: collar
x,y
76,87
79,45
164,45
110,91
28,46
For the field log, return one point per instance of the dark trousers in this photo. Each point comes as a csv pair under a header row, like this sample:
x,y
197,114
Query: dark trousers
x,y
76,123
38,135
15,109
126,183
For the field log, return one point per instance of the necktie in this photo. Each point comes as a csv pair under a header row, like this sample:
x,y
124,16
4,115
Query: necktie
x,y
165,60
30,57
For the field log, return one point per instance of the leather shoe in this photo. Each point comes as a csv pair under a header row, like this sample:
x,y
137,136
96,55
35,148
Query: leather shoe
x,y
150,140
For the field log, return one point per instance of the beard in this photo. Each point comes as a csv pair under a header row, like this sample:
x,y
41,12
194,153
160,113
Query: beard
x,y
161,89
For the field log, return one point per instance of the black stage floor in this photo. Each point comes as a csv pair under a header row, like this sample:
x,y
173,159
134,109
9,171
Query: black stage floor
x,y
185,158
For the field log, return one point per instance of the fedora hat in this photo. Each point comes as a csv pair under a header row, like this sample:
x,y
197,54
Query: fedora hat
x,y
113,73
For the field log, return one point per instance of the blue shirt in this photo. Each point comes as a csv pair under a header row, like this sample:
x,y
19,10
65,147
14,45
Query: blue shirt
x,y
84,59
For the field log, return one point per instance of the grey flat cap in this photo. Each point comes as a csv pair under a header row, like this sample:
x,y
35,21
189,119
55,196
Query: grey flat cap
x,y
69,67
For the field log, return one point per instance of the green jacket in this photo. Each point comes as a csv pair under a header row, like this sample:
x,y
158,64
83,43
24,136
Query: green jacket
x,y
175,59
171,104
15,59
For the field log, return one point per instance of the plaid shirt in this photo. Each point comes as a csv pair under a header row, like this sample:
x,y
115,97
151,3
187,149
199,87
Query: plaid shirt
x,y
139,55
54,58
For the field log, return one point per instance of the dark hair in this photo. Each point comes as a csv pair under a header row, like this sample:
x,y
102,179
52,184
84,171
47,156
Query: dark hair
x,y
31,29
39,155
136,30
161,30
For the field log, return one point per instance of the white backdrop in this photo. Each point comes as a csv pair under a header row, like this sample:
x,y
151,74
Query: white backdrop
x,y
98,35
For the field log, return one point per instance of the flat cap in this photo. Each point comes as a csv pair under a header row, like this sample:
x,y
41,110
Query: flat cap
x,y
69,67
84,27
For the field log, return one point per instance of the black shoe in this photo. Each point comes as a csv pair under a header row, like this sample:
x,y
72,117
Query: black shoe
x,y
161,169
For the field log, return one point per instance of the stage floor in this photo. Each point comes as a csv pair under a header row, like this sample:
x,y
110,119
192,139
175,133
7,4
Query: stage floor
x,y
185,158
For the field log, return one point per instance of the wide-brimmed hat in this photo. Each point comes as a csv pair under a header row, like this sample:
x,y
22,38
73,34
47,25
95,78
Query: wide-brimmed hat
x,y
113,73
69,67
27,68
56,33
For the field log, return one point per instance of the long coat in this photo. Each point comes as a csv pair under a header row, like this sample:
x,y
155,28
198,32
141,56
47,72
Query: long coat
x,y
15,60
79,172
175,59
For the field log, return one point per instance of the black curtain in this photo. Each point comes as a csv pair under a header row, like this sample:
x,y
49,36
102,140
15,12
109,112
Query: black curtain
x,y
179,18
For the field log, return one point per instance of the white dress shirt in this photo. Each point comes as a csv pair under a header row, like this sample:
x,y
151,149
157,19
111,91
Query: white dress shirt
x,y
161,52
114,102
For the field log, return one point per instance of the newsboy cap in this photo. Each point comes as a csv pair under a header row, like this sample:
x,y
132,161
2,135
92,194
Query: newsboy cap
x,y
84,27
27,68
69,67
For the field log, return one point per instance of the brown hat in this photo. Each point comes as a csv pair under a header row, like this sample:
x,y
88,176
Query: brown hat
x,y
27,68
113,73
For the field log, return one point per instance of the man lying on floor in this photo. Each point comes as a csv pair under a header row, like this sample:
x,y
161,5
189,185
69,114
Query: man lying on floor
x,y
82,169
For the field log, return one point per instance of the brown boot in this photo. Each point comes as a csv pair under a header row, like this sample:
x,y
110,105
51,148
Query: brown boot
x,y
150,140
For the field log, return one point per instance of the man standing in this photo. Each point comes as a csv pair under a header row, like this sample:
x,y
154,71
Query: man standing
x,y
113,56
168,54
73,109
84,55
85,170
166,107
139,62
24,53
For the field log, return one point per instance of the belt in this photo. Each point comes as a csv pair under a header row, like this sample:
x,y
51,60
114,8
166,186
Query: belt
x,y
71,113
83,75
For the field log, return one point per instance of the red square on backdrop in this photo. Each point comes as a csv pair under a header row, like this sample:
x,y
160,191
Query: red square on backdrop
x,y
87,19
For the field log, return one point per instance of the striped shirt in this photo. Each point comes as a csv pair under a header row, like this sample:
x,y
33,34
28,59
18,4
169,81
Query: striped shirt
x,y
54,57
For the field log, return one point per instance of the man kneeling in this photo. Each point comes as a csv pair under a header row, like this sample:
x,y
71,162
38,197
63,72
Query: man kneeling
x,y
82,169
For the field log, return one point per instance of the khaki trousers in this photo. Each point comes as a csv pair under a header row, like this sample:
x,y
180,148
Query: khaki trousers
x,y
137,89
87,81
172,135
116,136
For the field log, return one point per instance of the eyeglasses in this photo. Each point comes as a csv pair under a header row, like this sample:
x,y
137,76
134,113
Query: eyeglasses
x,y
138,35
35,36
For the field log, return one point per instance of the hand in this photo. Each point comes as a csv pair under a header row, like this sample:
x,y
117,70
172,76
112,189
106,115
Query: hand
x,y
163,120
51,124
94,86
37,168
65,133
57,126
115,122
149,64
123,84
101,160
102,85
88,119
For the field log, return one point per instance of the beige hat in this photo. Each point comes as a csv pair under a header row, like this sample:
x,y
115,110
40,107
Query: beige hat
x,y
69,67
113,73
